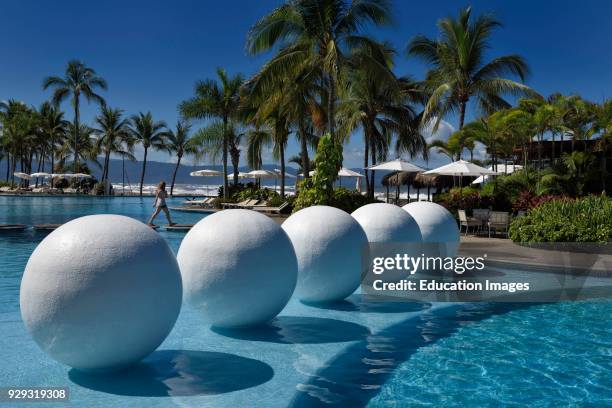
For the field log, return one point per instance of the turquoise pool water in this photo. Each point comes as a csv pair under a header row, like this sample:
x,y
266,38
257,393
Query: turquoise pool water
x,y
354,353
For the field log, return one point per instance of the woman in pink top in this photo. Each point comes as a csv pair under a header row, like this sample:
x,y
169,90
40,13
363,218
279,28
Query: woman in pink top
x,y
160,203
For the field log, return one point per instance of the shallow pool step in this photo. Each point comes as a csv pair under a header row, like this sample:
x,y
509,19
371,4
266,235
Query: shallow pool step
x,y
179,227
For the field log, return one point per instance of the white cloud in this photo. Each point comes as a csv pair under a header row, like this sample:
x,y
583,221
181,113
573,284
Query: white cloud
x,y
444,131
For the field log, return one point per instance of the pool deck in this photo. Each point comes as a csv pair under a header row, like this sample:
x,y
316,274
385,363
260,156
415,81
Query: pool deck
x,y
568,256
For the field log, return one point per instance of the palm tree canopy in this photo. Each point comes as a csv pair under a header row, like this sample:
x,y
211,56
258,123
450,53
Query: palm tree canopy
x,y
460,71
214,99
147,131
78,79
178,141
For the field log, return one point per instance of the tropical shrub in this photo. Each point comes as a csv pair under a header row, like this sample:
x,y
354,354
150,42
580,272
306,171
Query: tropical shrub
x,y
528,200
348,200
582,220
319,189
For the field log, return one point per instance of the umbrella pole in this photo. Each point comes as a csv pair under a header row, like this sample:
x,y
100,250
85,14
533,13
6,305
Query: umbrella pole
x,y
387,192
428,191
408,192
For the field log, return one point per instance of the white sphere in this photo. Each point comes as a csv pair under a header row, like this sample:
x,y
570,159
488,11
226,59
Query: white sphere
x,y
387,224
101,292
328,243
437,226
239,268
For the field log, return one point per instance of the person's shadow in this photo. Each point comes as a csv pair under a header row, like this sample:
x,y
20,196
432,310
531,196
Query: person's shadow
x,y
179,373
299,330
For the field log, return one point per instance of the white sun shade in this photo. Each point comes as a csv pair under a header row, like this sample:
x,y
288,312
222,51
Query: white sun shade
x,y
397,165
462,168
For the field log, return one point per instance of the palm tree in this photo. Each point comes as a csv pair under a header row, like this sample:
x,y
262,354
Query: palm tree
x,y
318,34
602,125
179,142
442,147
459,71
150,134
218,100
78,80
379,106
82,150
210,141
113,136
53,130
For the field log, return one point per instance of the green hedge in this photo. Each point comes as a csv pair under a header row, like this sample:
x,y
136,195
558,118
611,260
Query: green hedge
x,y
587,219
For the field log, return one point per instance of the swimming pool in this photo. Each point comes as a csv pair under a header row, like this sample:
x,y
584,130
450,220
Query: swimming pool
x,y
353,353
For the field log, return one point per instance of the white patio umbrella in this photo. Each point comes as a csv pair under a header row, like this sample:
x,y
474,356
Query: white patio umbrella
x,y
344,172
506,169
397,165
206,173
287,175
462,168
40,175
261,174
21,175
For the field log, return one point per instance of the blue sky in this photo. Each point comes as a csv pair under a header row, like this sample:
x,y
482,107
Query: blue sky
x,y
152,52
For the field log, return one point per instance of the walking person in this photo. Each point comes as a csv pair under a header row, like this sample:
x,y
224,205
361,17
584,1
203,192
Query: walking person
x,y
160,204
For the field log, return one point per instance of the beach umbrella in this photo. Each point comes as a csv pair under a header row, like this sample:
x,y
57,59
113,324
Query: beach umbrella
x,y
344,172
462,168
507,169
289,175
262,174
21,175
40,175
205,173
397,165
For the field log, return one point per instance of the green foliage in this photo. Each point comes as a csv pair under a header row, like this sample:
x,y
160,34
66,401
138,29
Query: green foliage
x,y
8,184
348,200
566,220
319,189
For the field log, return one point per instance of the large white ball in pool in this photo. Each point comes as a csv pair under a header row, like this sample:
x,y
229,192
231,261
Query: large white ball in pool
x,y
101,292
239,268
387,224
328,243
437,226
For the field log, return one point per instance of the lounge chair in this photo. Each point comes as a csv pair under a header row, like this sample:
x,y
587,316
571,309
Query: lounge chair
x,y
498,221
273,210
467,222
207,202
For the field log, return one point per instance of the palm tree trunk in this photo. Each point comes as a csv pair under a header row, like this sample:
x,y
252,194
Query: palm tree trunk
x,y
540,137
366,152
330,107
462,106
235,156
144,168
8,166
372,172
552,149
282,169
76,132
178,163
304,148
52,161
225,185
